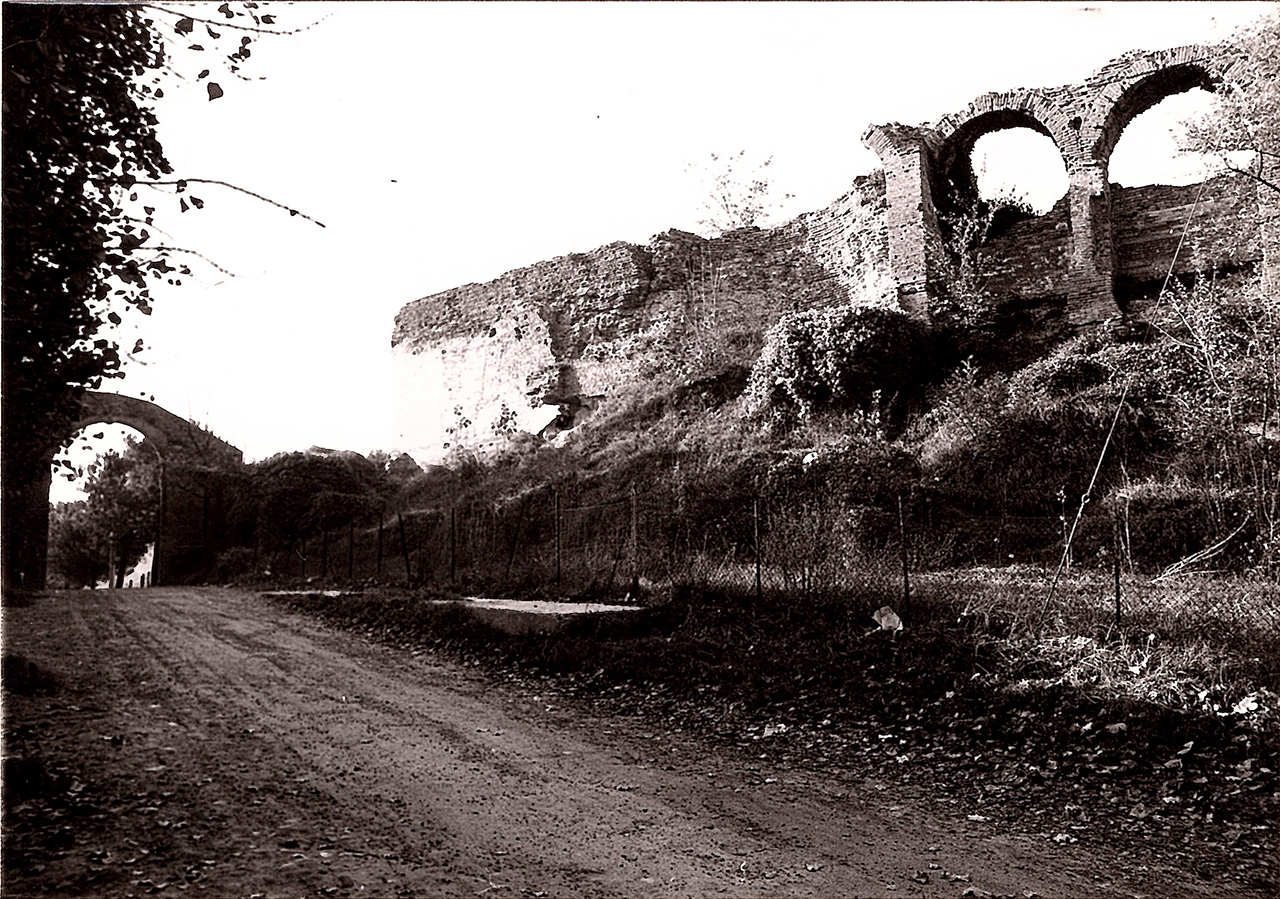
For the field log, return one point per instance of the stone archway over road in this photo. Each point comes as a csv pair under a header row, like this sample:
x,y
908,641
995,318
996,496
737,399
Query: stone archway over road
x,y
26,537
168,433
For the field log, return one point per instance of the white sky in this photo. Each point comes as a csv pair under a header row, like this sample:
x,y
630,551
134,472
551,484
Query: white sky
x,y
448,143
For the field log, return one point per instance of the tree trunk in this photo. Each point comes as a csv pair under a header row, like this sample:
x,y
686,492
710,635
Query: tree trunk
x,y
25,534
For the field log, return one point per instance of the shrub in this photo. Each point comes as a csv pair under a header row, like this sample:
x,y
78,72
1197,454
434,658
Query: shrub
x,y
839,358
1163,523
232,565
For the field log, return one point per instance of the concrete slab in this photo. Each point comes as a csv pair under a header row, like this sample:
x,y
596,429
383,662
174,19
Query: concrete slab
x,y
511,616
535,616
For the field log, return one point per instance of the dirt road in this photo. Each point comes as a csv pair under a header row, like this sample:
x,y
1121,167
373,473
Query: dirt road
x,y
206,741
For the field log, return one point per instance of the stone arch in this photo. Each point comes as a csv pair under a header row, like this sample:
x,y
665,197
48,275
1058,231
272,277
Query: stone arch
x,y
26,533
923,165
1131,85
188,453
957,133
169,434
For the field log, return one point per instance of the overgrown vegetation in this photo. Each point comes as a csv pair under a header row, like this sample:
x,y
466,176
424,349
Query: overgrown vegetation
x,y
86,190
1244,133
847,445
869,360
108,532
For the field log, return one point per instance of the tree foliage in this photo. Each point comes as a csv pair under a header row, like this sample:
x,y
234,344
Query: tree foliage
x,y
302,494
970,224
1247,120
77,554
77,132
118,520
84,177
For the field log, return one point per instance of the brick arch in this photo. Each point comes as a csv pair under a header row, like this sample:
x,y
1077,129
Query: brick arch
x,y
1034,109
26,531
1131,85
169,434
923,174
958,134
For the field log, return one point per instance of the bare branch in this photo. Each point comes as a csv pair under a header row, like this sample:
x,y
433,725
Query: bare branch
x,y
1255,176
158,229
184,181
167,249
257,30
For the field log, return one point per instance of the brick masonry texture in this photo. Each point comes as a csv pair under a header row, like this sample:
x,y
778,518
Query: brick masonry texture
x,y
539,342
1100,235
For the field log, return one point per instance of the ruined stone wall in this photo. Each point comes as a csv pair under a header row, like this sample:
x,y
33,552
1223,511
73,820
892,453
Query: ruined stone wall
x,y
540,342
930,174
1031,260
849,241
1149,223
519,349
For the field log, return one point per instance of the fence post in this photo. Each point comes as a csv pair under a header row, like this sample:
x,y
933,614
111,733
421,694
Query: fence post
x,y
1066,533
755,533
423,542
404,549
515,542
157,573
1115,560
906,567
635,554
453,545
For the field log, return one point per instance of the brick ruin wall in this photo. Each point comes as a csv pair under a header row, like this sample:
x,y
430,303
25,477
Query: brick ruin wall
x,y
1030,261
555,336
569,331
531,349
1149,223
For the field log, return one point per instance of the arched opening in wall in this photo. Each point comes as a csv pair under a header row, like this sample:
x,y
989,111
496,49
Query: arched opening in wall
x,y
1150,148
105,499
1019,166
996,170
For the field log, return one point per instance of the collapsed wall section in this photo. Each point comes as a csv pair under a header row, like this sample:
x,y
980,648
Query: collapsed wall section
x,y
473,364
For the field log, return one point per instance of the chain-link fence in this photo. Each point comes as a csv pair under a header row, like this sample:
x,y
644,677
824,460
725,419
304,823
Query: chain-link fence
x,y
641,543
571,540
651,539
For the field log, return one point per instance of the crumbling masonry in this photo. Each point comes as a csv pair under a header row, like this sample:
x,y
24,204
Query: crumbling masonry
x,y
928,173
541,343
